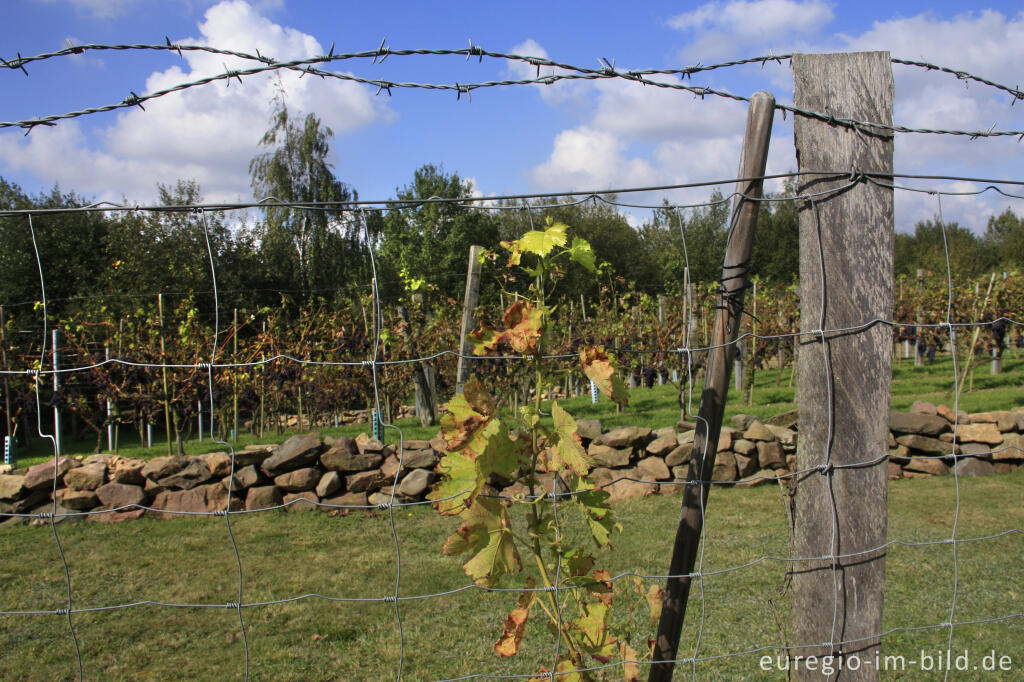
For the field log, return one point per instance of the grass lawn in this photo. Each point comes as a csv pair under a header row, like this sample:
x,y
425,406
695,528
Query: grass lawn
x,y
290,554
658,406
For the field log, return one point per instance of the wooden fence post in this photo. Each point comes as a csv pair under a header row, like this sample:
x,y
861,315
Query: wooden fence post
x,y
472,296
716,383
843,384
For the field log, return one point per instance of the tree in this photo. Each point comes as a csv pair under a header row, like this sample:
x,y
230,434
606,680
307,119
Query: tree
x,y
926,250
431,239
1004,239
317,243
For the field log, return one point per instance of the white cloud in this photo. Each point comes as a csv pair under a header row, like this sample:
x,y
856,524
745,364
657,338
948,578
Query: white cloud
x,y
723,28
209,133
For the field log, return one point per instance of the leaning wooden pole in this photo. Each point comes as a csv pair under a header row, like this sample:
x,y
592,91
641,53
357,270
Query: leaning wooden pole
x,y
472,297
844,378
716,383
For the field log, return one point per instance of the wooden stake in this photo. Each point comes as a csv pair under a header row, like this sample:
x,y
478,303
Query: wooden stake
x,y
716,384
472,296
844,379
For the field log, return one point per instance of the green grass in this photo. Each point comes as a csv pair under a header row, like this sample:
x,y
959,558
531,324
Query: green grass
x,y
655,407
290,554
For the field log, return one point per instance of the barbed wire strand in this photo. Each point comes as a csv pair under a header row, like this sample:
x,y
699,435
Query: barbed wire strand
x,y
607,71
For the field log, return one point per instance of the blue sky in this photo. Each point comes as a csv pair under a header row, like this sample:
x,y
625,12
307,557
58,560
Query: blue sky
x,y
572,136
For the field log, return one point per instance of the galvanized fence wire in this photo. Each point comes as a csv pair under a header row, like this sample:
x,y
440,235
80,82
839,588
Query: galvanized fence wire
x,y
558,72
829,469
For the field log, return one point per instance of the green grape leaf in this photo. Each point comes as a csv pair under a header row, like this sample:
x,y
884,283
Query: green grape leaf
x,y
541,243
459,485
598,366
592,505
581,252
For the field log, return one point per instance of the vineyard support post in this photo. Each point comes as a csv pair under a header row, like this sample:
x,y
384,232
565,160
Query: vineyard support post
x,y
163,372
234,377
716,384
846,280
56,388
470,300
7,389
110,410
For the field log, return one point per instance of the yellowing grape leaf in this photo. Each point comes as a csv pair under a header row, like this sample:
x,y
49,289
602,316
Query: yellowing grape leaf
x,y
485,532
581,252
515,623
523,323
459,485
541,243
598,366
568,447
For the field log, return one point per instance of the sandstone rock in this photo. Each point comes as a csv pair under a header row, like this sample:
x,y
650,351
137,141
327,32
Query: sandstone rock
x,y
1003,419
87,477
589,429
923,444
127,472
253,455
60,515
301,502
262,497
11,486
769,455
1012,447
246,477
1007,467
219,463
979,433
663,431
684,425
162,467
365,481
619,488
786,420
724,441
152,488
77,500
194,473
900,455
785,436
329,484
204,498
923,407
295,453
745,466
948,414
895,471
100,458
760,477
298,481
40,476
686,437
945,437
681,473
924,465
438,444
975,450
390,467
725,467
365,444
624,436
115,495
972,466
607,456
341,459
758,432
27,501
906,423
680,455
419,459
415,483
741,422
113,516
653,468
743,447
892,440
347,500
659,447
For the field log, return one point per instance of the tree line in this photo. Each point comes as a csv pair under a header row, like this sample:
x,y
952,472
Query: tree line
x,y
104,258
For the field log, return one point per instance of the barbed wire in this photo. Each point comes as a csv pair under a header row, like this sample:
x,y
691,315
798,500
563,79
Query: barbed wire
x,y
570,72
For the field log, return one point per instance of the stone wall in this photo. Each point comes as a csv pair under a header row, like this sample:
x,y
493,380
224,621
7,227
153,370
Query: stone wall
x,y
306,472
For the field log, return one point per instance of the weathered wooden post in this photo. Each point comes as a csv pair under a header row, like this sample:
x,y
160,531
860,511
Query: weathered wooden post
x,y
469,302
843,384
716,383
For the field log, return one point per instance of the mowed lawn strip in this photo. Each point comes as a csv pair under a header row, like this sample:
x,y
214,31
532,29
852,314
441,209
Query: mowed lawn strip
x,y
289,555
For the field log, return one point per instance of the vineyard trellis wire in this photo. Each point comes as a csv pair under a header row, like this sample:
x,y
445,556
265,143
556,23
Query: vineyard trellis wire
x,y
209,365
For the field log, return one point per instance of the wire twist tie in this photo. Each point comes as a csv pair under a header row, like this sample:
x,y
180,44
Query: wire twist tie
x,y
62,612
826,469
220,512
45,515
384,505
390,599
368,363
231,605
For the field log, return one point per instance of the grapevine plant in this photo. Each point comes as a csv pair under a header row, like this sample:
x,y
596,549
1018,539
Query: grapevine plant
x,y
548,467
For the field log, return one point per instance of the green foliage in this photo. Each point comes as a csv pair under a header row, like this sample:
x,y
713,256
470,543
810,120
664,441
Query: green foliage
x,y
484,442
